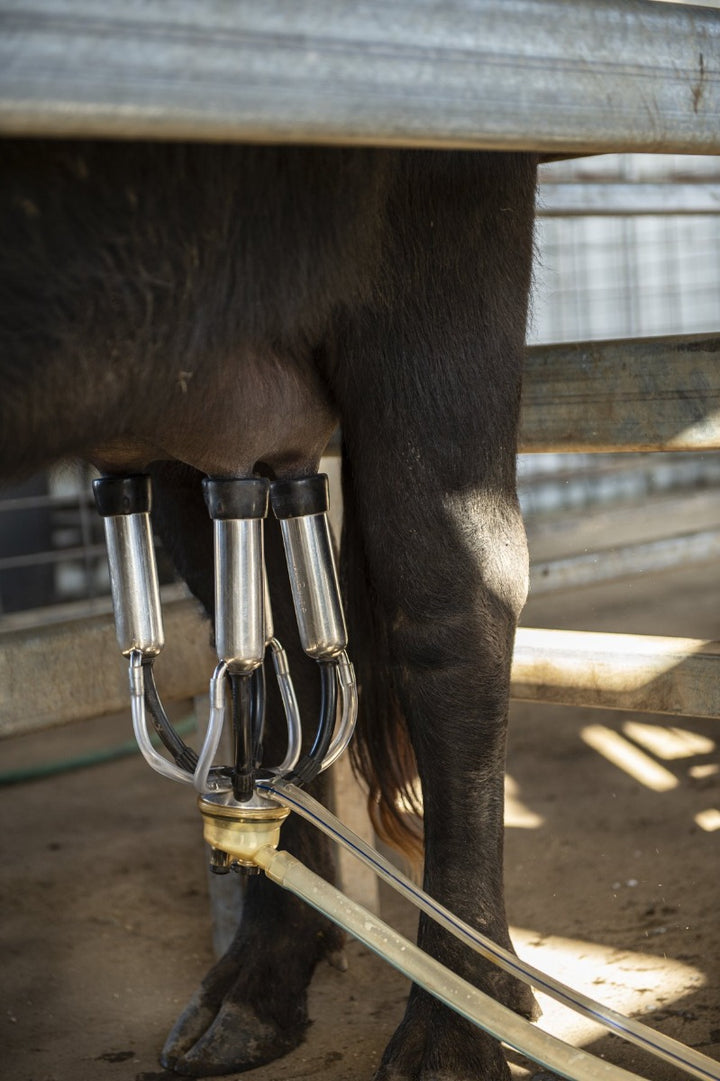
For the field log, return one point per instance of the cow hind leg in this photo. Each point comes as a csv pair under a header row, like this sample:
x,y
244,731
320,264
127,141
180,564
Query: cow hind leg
x,y
251,1008
449,650
429,396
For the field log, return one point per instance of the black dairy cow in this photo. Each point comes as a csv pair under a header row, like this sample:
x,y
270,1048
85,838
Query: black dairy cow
x,y
209,309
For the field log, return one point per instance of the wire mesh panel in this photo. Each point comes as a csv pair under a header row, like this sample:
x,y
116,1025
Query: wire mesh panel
x,y
603,274
626,277
600,275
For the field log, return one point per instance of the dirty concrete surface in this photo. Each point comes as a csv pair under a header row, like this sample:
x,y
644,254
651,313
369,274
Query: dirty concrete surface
x,y
612,885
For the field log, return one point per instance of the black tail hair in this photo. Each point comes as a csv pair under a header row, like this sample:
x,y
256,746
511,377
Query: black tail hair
x,y
382,752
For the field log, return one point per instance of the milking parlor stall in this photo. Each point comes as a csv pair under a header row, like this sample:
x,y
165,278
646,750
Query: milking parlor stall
x,y
117,895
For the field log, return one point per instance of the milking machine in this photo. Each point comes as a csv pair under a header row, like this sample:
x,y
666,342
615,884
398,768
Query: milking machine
x,y
232,805
245,802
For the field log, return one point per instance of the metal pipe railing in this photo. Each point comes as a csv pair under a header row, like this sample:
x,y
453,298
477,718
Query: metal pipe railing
x,y
591,76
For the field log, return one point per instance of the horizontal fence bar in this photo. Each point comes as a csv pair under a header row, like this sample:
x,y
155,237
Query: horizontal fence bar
x,y
677,676
580,668
592,568
640,394
66,672
57,555
29,619
670,495
56,502
626,199
594,75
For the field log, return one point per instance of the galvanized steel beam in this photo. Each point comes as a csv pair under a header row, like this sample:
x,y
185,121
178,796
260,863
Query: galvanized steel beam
x,y
591,76
677,676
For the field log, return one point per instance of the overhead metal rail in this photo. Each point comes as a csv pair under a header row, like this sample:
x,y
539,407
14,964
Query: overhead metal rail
x,y
591,76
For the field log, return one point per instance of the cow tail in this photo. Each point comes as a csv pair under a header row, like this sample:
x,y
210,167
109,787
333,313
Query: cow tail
x,y
381,752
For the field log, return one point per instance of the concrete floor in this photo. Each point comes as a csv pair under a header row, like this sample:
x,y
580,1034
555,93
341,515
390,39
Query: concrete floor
x,y
611,885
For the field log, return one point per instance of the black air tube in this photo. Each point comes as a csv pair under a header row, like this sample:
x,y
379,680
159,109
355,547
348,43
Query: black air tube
x,y
257,721
184,756
242,713
309,765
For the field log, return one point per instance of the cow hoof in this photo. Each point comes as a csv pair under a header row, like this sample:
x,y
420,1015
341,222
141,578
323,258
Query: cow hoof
x,y
251,1008
440,1046
206,1042
235,1039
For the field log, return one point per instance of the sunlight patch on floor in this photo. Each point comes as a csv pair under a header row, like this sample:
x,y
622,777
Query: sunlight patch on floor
x,y
703,770
668,742
708,820
630,982
630,759
517,815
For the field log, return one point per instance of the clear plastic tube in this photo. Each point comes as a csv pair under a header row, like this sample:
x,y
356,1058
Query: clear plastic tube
x,y
202,778
216,720
139,718
656,1043
425,971
290,705
349,707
